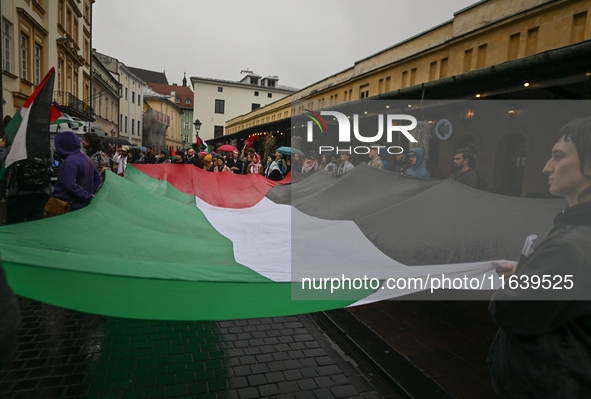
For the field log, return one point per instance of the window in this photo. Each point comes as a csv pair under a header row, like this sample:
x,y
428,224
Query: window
x,y
112,109
513,50
126,124
187,114
133,97
138,128
532,41
133,126
467,61
24,56
100,107
219,106
413,76
187,126
121,122
577,32
256,93
6,45
481,56
126,98
271,83
139,98
255,106
37,64
106,108
254,81
60,12
187,101
443,68
218,131
269,95
220,89
432,70
185,137
68,21
177,100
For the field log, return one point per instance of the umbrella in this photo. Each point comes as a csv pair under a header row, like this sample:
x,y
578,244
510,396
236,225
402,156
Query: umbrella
x,y
227,147
289,151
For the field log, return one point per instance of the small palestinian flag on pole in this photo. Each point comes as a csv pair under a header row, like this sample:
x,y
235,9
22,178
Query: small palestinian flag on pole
x,y
28,131
172,152
58,116
199,141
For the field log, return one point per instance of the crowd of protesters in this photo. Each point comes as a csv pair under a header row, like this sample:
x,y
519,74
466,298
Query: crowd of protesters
x,y
77,183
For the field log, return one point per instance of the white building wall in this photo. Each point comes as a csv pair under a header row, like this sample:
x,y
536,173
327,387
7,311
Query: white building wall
x,y
132,109
238,100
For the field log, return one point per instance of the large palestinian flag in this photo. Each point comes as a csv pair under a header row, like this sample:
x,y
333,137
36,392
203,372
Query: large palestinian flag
x,y
175,242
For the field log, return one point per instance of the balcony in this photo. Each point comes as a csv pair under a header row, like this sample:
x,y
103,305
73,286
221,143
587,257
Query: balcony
x,y
73,106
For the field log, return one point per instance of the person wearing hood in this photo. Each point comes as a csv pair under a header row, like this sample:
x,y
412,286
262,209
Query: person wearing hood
x,y
416,157
163,157
208,163
77,178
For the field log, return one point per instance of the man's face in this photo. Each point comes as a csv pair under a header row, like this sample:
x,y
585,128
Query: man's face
x,y
412,158
160,155
459,161
148,150
372,153
85,143
191,152
344,156
564,172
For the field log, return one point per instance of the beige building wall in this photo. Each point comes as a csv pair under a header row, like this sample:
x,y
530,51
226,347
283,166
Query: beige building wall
x,y
55,33
485,34
173,114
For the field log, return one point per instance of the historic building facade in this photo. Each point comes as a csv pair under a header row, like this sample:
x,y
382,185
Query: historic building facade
x,y
495,49
217,101
39,35
130,98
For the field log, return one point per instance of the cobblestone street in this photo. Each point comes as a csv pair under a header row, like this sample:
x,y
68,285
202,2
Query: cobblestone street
x,y
68,354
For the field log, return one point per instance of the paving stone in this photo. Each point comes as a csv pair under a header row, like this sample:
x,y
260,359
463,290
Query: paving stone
x,y
291,375
248,393
288,386
344,391
324,382
259,368
265,358
276,366
258,379
305,395
269,390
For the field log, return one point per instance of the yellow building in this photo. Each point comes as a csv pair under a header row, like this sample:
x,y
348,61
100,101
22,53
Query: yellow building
x,y
163,110
495,49
39,35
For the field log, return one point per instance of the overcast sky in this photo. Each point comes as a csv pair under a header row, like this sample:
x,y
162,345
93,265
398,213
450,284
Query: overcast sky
x,y
302,41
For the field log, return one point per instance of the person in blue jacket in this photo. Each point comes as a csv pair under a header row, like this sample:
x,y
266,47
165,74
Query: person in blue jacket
x,y
77,178
416,157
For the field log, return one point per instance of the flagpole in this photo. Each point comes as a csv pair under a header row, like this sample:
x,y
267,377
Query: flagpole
x,y
1,86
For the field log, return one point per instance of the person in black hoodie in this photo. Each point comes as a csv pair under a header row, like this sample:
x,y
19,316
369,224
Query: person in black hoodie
x,y
543,347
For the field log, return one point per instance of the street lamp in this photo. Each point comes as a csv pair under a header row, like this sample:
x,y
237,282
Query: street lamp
x,y
197,124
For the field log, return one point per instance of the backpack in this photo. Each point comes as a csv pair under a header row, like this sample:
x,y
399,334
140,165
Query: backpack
x,y
33,173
